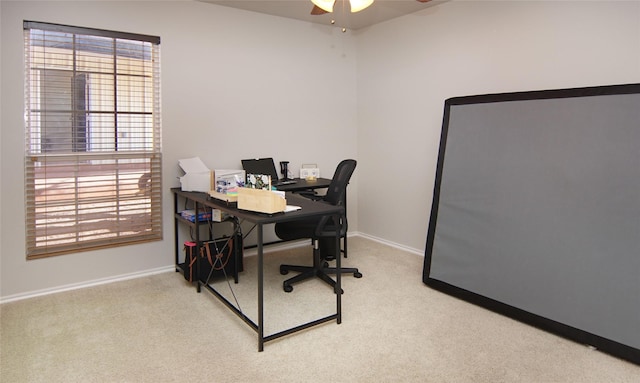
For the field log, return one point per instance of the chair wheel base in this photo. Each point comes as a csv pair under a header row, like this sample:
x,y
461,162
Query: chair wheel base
x,y
357,275
287,288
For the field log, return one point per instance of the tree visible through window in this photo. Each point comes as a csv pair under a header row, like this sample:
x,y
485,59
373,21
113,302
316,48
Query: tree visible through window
x,y
92,158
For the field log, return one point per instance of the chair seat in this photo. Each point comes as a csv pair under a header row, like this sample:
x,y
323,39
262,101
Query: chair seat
x,y
300,229
303,229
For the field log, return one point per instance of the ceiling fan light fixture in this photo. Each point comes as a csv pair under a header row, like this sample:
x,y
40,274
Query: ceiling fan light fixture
x,y
358,5
325,5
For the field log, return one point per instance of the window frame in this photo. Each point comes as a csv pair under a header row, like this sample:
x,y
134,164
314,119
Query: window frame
x,y
111,194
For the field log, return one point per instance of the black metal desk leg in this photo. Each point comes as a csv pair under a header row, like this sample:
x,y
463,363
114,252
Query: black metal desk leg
x,y
260,291
198,245
338,291
175,231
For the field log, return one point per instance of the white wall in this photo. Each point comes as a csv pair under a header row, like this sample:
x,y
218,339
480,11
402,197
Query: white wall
x,y
407,67
235,84
238,84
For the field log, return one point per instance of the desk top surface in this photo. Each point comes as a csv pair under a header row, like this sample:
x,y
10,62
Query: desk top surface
x,y
304,184
309,208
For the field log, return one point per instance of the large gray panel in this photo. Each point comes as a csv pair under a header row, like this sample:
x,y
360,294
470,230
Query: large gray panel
x,y
539,208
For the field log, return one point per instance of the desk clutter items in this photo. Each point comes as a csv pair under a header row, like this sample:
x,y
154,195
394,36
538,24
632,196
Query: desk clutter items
x,y
258,196
310,172
225,184
189,265
258,181
197,177
204,215
222,184
218,258
190,215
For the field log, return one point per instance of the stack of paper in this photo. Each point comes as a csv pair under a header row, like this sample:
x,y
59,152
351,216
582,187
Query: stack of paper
x,y
197,175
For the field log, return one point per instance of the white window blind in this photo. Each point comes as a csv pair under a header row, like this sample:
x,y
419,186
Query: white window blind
x,y
93,156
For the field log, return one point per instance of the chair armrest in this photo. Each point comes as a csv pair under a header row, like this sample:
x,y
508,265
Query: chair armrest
x,y
327,228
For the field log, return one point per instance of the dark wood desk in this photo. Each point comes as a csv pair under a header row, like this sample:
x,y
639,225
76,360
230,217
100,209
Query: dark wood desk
x,y
309,208
302,184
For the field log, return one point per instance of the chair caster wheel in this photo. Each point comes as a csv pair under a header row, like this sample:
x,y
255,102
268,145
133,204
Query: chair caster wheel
x,y
287,288
283,271
325,265
357,275
336,291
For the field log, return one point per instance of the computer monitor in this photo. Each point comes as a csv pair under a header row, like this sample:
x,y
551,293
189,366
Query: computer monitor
x,y
261,166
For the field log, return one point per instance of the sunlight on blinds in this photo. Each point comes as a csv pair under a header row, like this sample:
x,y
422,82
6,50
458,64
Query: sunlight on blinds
x,y
93,159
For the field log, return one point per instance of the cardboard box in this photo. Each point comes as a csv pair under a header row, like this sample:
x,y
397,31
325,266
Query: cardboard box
x,y
263,201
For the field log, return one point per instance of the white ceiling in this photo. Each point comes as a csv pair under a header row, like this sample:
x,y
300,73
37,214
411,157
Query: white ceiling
x,y
379,11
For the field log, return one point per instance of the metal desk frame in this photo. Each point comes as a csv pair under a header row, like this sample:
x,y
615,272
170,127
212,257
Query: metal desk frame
x,y
309,209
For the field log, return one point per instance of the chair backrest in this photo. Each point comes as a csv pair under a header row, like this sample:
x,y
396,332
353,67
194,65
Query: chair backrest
x,y
338,187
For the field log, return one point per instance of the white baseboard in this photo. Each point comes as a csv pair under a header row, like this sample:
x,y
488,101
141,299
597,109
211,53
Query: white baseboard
x,y
165,269
82,285
294,244
392,244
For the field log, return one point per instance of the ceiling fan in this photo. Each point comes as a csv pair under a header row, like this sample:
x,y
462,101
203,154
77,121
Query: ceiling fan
x,y
320,7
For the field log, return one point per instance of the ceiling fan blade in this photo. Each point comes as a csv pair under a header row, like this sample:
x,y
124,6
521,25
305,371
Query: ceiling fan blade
x,y
317,10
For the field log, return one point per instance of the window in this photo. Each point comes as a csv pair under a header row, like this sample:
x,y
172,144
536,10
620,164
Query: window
x,y
92,153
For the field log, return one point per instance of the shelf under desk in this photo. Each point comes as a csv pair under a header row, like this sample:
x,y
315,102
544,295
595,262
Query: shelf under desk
x,y
309,208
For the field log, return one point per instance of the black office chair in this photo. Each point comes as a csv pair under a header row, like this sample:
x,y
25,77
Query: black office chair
x,y
322,233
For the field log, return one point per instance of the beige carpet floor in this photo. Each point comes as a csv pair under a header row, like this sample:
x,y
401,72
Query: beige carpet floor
x,y
394,329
